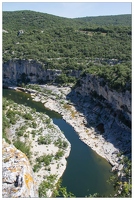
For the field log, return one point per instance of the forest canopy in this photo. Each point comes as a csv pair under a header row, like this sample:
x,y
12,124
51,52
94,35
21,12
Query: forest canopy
x,y
88,44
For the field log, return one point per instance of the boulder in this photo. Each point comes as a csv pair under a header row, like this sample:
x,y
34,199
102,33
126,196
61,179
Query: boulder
x,y
20,32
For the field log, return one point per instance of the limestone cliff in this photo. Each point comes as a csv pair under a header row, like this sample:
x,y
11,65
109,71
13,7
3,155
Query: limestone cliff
x,y
26,71
17,175
19,71
119,101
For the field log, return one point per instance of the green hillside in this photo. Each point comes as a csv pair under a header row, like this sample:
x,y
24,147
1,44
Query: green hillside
x,y
30,20
61,43
115,20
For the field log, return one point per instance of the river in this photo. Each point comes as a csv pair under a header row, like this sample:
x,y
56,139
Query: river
x,y
86,172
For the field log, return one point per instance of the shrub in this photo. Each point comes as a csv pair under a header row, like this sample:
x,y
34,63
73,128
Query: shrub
x,y
36,167
20,133
46,185
43,188
34,125
28,116
61,191
5,122
61,143
48,120
11,115
46,159
59,154
22,146
33,132
5,103
65,144
44,140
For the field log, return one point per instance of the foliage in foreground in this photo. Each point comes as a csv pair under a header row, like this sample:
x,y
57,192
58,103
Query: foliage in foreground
x,y
59,191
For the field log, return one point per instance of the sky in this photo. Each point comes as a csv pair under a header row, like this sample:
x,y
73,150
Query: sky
x,y
72,9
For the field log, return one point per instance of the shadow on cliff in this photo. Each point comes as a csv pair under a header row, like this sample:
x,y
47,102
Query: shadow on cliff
x,y
103,119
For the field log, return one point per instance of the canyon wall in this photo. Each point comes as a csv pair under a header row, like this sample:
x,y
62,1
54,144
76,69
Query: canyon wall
x,y
20,71
18,180
119,101
26,71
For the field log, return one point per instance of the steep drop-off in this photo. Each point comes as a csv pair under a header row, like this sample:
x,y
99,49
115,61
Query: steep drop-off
x,y
17,175
119,101
24,71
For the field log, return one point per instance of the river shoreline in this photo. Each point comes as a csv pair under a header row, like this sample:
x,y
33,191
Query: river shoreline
x,y
77,120
44,128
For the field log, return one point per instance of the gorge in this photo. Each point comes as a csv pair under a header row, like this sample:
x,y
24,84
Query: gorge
x,y
66,105
19,71
82,161
91,114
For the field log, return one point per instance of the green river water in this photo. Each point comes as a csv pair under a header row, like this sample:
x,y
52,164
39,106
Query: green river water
x,y
86,172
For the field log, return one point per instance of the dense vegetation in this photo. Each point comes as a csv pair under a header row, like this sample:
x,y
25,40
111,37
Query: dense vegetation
x,y
58,43
115,20
62,43
117,77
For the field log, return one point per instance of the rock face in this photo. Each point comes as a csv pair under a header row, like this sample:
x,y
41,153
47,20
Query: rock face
x,y
17,175
30,71
27,71
92,85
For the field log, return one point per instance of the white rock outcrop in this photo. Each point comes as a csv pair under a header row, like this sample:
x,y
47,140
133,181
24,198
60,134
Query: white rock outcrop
x,y
35,72
118,100
17,175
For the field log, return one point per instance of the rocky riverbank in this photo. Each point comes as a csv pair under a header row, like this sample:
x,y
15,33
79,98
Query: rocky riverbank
x,y
103,133
47,149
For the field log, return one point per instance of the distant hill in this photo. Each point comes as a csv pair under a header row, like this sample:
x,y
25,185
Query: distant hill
x,y
39,36
115,20
31,19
